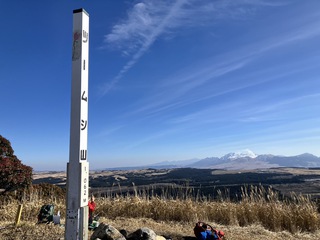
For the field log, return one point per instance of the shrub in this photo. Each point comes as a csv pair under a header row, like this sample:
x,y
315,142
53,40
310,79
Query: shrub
x,y
13,174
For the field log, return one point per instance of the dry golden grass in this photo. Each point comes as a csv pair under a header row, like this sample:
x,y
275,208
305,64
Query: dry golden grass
x,y
177,230
260,215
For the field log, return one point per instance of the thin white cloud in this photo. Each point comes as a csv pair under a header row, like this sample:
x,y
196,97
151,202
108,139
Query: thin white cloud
x,y
147,17
150,138
267,136
167,97
282,105
110,131
169,94
145,23
141,25
148,20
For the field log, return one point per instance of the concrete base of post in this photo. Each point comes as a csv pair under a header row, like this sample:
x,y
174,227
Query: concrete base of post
x,y
84,213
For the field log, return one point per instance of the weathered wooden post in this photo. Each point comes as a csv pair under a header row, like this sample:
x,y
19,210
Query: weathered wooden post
x,y
78,166
18,215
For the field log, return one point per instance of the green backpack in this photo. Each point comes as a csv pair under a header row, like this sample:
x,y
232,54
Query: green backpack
x,y
46,214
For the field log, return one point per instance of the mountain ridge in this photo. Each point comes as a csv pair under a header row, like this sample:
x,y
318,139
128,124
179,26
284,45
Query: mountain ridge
x,y
245,160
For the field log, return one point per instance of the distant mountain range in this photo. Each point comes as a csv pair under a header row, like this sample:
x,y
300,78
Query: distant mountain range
x,y
245,160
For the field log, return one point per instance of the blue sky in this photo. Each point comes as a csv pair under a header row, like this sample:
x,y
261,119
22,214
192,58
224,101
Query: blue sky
x,y
168,80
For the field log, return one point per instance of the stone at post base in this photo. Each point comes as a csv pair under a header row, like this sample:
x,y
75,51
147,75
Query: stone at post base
x,y
106,232
142,233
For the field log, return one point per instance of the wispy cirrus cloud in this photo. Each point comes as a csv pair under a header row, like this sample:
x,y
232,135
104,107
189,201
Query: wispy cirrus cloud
x,y
110,131
170,92
146,21
152,137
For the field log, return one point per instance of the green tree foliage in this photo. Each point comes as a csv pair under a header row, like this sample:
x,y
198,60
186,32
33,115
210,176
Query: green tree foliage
x,y
13,174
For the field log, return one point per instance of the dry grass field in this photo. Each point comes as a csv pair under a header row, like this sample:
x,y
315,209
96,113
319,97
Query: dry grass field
x,y
177,230
260,215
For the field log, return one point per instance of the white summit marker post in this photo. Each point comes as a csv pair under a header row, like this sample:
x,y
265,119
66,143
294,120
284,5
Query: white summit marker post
x,y
78,167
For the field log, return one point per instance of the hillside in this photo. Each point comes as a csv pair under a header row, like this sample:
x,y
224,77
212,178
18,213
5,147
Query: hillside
x,y
199,181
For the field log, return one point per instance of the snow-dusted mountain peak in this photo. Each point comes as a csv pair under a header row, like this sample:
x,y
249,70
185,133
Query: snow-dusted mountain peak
x,y
241,154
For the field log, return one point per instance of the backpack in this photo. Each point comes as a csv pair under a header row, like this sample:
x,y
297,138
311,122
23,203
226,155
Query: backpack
x,y
198,229
204,231
46,214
